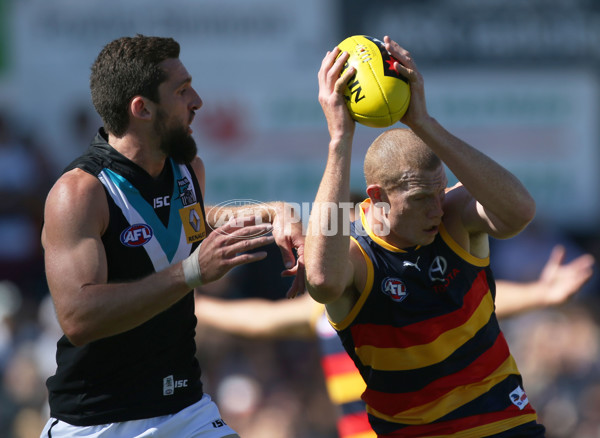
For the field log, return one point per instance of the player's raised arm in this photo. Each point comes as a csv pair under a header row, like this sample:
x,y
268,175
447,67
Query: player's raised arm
x,y
496,202
328,270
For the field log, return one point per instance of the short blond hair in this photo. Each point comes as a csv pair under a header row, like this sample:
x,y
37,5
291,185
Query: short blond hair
x,y
395,152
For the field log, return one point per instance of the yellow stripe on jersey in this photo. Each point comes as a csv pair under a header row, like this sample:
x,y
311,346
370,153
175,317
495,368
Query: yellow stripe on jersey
x,y
419,356
363,295
452,400
345,388
491,428
462,253
369,434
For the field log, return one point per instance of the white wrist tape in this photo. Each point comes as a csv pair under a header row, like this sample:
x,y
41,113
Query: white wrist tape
x,y
191,269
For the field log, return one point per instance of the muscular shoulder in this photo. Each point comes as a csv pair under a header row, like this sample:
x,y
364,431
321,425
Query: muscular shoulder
x,y
77,199
76,185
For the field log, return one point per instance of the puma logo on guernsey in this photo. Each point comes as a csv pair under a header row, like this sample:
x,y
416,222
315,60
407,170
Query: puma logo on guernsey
x,y
411,264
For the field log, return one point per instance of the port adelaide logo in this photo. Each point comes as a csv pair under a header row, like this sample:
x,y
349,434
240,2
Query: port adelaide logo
x,y
394,288
136,235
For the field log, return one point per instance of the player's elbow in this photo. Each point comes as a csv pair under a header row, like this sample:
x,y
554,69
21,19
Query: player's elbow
x,y
515,220
75,332
77,328
522,215
527,210
322,288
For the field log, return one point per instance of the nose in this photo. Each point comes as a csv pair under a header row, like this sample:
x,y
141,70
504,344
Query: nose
x,y
436,208
196,102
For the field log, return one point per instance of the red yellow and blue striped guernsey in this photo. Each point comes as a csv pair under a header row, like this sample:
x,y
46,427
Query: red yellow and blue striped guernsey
x,y
425,338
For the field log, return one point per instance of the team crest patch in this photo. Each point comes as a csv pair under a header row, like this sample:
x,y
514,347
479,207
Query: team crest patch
x,y
136,235
519,398
394,288
186,193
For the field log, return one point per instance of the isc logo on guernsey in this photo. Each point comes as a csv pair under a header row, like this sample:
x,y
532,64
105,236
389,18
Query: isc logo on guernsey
x,y
136,235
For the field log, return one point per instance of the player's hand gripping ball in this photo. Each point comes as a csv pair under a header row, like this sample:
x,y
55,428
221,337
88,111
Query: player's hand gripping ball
x,y
377,95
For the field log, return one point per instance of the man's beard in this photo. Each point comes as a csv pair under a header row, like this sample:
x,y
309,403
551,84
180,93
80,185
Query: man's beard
x,y
176,142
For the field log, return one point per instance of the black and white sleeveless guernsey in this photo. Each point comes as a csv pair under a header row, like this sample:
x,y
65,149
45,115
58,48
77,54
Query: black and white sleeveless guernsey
x,y
150,370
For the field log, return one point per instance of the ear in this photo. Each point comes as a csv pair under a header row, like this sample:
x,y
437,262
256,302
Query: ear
x,y
375,193
140,108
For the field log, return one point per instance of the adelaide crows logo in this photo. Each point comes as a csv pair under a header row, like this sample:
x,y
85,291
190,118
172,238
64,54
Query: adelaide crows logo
x,y
394,288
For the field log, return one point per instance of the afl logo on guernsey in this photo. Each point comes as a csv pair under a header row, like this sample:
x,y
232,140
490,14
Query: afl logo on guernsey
x,y
136,235
394,288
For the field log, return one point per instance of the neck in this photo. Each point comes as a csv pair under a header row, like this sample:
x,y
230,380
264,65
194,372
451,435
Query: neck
x,y
151,159
381,228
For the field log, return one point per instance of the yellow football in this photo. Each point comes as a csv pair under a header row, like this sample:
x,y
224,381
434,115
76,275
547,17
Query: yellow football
x,y
377,95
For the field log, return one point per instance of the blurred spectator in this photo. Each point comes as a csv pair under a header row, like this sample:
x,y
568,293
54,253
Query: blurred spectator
x,y
82,123
10,303
559,355
25,176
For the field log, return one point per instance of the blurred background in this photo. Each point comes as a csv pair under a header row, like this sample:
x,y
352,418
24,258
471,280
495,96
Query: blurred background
x,y
519,80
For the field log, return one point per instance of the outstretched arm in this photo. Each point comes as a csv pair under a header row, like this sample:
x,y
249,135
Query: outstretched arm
x,y
258,317
557,282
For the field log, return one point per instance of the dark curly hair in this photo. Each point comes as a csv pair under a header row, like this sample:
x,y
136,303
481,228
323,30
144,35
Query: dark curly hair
x,y
124,68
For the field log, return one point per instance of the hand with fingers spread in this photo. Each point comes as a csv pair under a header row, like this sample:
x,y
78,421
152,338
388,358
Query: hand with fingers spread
x,y
561,280
558,281
226,248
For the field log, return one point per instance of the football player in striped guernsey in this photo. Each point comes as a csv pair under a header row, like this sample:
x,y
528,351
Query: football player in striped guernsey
x,y
409,290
